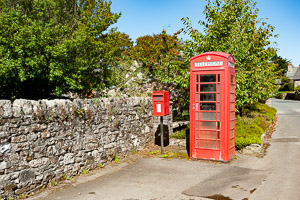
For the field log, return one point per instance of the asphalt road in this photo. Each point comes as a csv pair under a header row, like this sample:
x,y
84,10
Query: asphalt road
x,y
276,176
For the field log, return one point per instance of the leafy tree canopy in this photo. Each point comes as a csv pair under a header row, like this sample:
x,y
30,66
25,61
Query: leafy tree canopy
x,y
233,26
56,46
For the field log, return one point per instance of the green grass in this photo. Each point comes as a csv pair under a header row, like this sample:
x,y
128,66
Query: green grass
x,y
254,122
283,92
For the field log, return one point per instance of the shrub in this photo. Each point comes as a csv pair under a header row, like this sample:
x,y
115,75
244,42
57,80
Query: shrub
x,y
253,124
297,89
287,87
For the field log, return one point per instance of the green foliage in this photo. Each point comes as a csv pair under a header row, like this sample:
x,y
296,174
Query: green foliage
x,y
179,134
161,58
233,27
287,87
297,89
116,159
56,46
85,171
101,165
254,122
166,155
281,65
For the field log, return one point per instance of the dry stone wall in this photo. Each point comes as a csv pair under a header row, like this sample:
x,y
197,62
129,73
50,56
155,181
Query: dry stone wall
x,y
46,140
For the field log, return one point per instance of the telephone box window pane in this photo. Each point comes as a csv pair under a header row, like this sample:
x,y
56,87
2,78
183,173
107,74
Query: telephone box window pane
x,y
232,115
218,144
196,115
219,78
231,133
196,97
218,106
218,135
218,125
197,134
209,144
232,142
231,97
232,106
208,125
208,78
197,87
218,116
218,97
218,87
197,78
196,124
207,97
207,106
231,88
231,124
207,116
232,79
207,87
196,143
207,135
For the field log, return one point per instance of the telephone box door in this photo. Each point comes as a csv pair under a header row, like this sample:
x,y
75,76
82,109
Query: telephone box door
x,y
206,114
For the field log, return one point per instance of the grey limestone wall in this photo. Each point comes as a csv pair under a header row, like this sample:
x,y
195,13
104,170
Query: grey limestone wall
x,y
46,140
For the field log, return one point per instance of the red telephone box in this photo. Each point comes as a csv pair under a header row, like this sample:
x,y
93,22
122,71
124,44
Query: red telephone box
x,y
212,106
161,105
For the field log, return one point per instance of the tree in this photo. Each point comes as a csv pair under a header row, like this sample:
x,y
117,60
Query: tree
x,y
161,56
233,26
56,46
281,65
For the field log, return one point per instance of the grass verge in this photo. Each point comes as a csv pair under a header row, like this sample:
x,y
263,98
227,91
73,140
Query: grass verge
x,y
255,121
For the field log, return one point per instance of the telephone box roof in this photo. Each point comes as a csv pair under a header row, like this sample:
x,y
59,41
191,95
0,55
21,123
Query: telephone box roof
x,y
215,53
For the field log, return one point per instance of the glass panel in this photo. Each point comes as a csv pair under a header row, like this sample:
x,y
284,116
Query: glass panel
x,y
208,78
232,115
207,97
218,134
232,142
207,87
196,124
207,106
218,125
219,78
196,115
197,87
231,78
219,97
231,97
218,106
210,144
231,133
196,143
207,116
231,88
208,125
197,134
207,135
218,87
218,116
231,124
218,144
231,106
196,97
197,78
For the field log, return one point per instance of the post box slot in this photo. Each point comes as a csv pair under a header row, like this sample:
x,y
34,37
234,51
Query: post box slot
x,y
158,98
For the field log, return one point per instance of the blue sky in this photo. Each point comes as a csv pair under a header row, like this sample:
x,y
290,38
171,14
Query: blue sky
x,y
145,17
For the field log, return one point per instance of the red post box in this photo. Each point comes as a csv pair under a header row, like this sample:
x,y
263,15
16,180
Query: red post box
x,y
161,105
212,106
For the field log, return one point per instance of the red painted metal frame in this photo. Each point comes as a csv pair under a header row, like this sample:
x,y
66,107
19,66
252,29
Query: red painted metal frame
x,y
226,140
163,101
